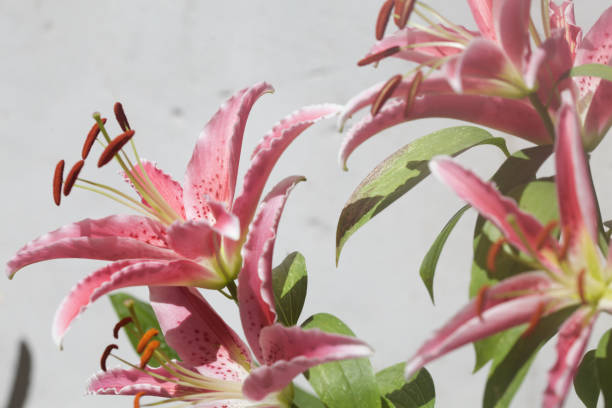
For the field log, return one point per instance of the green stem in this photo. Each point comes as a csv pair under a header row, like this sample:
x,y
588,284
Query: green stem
x,y
231,286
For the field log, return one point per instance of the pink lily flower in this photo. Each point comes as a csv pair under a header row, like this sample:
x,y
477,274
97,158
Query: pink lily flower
x,y
189,235
566,273
216,368
490,77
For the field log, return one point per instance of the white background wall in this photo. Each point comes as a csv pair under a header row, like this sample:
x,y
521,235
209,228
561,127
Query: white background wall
x,y
172,64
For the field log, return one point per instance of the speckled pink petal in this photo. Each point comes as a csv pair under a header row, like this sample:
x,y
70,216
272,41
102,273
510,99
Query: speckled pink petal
x,y
435,83
79,298
120,381
507,115
213,167
267,153
596,47
573,338
482,10
511,19
170,190
574,190
198,238
198,334
488,201
289,351
598,119
255,296
498,311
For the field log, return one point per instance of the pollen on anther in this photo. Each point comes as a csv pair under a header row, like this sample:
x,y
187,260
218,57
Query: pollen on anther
x,y
378,56
123,322
137,399
58,179
105,355
148,352
144,340
73,174
114,147
120,116
383,19
493,252
91,138
385,93
481,300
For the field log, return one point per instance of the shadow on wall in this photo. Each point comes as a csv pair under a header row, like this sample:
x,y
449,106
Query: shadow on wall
x,y
23,373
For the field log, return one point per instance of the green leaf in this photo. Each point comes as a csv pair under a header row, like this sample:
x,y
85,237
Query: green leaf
x,y
289,283
603,362
596,70
429,263
342,384
396,392
303,399
147,319
403,170
509,368
586,381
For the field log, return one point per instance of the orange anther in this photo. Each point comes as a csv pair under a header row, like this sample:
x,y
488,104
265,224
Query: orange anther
x,y
481,300
73,174
114,147
137,399
385,93
383,18
415,85
58,179
544,234
120,116
119,325
105,355
493,251
535,319
148,353
91,138
378,56
149,334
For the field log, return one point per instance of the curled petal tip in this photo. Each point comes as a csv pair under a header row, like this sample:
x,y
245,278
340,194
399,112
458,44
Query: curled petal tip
x,y
412,366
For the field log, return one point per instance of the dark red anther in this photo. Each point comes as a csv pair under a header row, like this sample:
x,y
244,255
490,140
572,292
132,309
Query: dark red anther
x,y
379,56
120,115
481,300
415,86
544,234
403,10
114,147
91,138
105,355
492,254
535,319
385,93
72,176
120,324
383,18
58,179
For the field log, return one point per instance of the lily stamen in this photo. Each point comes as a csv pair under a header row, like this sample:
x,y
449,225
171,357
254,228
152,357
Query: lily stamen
x,y
481,299
535,319
144,340
403,10
385,93
493,252
565,245
383,19
122,323
412,92
92,136
544,234
457,28
137,399
378,56
120,116
73,174
580,286
106,354
114,147
58,179
147,354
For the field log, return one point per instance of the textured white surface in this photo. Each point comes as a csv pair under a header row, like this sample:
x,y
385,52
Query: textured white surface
x,y
172,64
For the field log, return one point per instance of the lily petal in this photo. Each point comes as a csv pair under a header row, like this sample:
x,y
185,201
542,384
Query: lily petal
x,y
289,351
488,201
556,60
496,312
575,193
511,18
79,298
573,338
120,381
170,190
598,119
192,327
482,10
596,47
213,167
562,17
255,281
267,153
